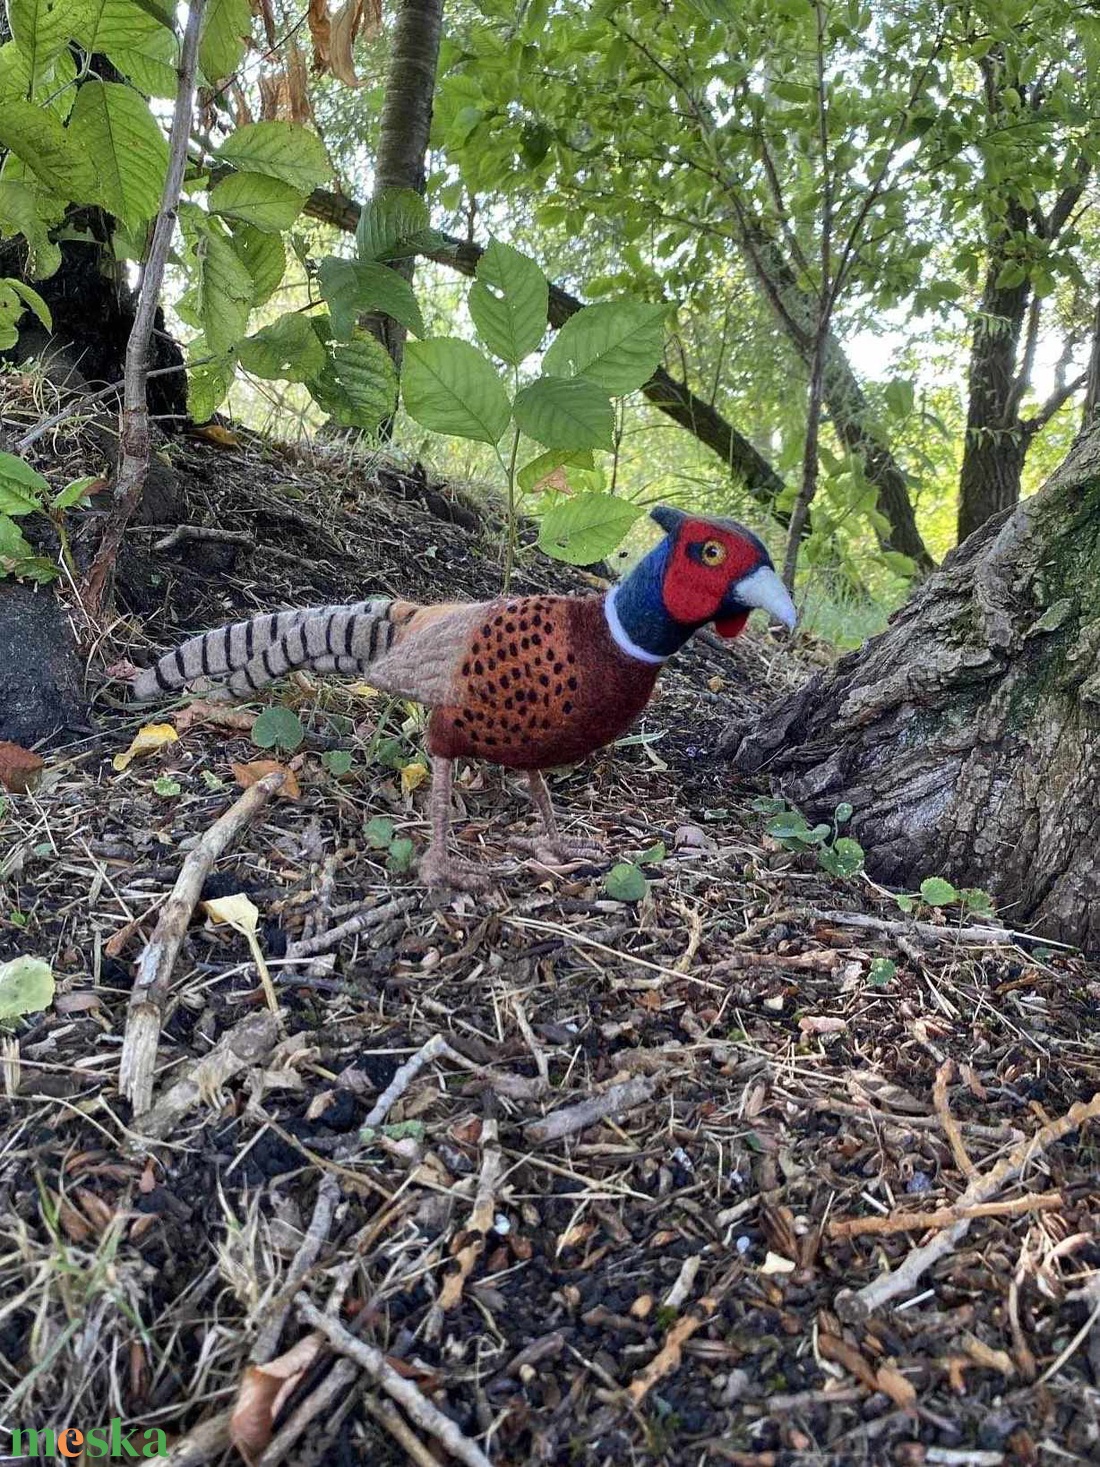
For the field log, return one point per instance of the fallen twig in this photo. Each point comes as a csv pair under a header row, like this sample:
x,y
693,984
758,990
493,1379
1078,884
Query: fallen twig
x,y
671,1352
391,1420
338,1380
895,928
405,1392
943,1217
183,533
854,1307
324,1208
944,1075
361,922
471,1243
613,1102
154,970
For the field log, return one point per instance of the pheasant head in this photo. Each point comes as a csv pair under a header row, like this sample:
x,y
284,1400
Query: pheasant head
x,y
705,570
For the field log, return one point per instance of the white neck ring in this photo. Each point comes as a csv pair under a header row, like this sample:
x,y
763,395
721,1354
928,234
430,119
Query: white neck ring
x,y
619,635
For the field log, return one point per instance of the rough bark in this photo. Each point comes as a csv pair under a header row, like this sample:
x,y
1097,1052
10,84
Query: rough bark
x,y
40,673
405,124
664,391
967,736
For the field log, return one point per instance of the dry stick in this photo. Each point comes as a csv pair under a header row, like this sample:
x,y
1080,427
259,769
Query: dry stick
x,y
154,971
943,1217
245,1046
392,1421
360,922
431,1050
613,1102
205,533
203,1443
405,1392
133,464
324,1209
944,1075
335,1383
671,1352
473,1240
855,1307
991,936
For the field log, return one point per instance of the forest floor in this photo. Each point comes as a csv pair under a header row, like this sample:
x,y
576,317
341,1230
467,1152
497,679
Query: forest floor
x,y
776,1097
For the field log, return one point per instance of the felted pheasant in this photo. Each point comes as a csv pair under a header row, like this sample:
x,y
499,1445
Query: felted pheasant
x,y
529,682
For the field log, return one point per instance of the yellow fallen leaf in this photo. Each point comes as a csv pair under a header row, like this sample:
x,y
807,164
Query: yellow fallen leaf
x,y
247,775
147,740
363,690
412,777
243,915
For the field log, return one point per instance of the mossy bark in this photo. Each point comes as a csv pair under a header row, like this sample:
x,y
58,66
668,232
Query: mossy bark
x,y
967,735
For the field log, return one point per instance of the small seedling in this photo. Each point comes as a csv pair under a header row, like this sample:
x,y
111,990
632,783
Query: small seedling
x,y
625,883
881,971
837,854
278,728
338,762
167,787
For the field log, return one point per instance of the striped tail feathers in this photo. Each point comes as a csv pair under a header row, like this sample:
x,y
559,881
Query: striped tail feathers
x,y
218,655
346,639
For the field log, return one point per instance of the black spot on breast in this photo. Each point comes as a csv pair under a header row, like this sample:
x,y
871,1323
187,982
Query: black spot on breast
x,y
570,658
559,667
544,680
479,667
490,686
557,690
498,620
509,703
465,669
486,629
536,640
567,707
509,626
476,648
525,642
513,649
571,684
504,679
523,624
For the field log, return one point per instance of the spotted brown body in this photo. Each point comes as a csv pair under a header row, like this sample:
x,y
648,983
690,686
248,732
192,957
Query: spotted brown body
x,y
541,684
528,682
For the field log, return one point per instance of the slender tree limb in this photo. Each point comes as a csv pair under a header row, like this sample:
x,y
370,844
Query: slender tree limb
x,y
134,420
1057,398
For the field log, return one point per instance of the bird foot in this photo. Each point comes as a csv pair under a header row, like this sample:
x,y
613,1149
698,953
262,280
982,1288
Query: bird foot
x,y
439,869
557,850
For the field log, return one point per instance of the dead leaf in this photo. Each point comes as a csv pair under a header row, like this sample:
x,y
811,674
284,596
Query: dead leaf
x,y
716,683
263,1390
247,775
274,95
556,479
297,80
892,1383
220,715
343,29
320,32
19,768
412,777
147,740
217,435
822,1024
243,915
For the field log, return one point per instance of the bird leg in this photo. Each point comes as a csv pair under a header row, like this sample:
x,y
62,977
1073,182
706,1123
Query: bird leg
x,y
550,846
437,867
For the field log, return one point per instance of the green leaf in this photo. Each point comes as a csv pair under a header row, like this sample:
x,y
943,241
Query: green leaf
x,y
42,29
265,203
225,290
843,813
208,383
625,883
389,222
31,300
378,833
617,344
287,350
26,987
337,762
881,971
358,384
508,303
21,212
226,27
576,467
114,125
166,786
937,892
585,529
843,858
278,728
976,899
21,487
653,855
37,138
106,26
566,412
11,308
263,256
282,150
905,903
352,287
73,493
788,825
401,856
449,387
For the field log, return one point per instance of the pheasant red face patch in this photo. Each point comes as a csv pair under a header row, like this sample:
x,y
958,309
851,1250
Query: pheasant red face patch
x,y
706,562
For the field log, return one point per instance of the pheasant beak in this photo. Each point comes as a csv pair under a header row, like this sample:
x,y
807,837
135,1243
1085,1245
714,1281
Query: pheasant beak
x,y
761,588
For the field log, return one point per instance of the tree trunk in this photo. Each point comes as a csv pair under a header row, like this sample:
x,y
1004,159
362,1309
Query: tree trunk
x,y
405,124
41,674
845,402
967,736
996,443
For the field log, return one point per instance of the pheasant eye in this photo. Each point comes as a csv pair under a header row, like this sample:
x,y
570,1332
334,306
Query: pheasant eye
x,y
713,553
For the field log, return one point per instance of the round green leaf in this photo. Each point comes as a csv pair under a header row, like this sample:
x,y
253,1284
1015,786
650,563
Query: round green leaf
x,y
282,150
378,833
287,350
566,412
881,971
625,883
401,856
508,302
449,387
586,528
26,987
278,728
389,222
351,287
937,892
617,344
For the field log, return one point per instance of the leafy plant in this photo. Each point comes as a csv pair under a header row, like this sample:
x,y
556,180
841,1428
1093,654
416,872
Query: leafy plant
x,y
278,728
23,491
379,835
936,891
837,854
625,882
602,352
